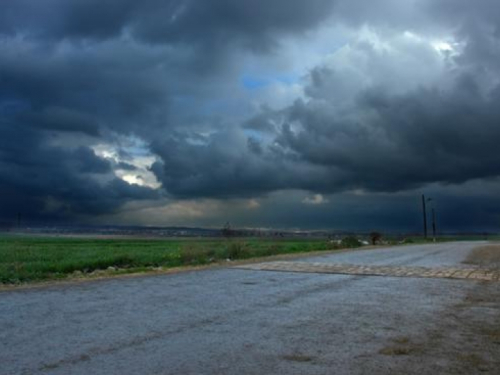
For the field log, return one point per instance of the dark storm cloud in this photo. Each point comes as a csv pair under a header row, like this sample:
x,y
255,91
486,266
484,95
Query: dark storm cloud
x,y
58,19
465,13
381,142
70,65
420,137
216,23
70,89
162,21
77,73
46,182
223,166
205,31
81,73
61,119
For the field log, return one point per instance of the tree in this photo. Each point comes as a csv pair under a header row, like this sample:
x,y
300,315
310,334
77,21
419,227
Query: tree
x,y
375,237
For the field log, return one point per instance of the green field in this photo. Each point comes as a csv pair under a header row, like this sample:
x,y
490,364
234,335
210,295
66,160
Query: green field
x,y
27,259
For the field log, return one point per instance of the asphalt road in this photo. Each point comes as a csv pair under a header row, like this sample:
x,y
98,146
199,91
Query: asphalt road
x,y
237,321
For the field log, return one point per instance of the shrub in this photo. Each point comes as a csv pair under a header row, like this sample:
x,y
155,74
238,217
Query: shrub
x,y
235,250
191,255
350,242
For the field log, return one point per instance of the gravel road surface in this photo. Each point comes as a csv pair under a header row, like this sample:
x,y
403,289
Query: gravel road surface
x,y
240,321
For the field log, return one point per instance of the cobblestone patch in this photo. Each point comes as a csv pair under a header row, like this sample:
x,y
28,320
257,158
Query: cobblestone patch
x,y
394,271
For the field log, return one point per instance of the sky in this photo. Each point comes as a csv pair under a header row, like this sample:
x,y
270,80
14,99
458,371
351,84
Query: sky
x,y
317,114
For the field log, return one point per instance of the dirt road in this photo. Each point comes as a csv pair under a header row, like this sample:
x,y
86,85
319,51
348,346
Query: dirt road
x,y
242,321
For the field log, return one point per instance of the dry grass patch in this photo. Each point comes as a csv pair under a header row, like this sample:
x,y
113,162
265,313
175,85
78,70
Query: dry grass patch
x,y
492,333
485,256
474,360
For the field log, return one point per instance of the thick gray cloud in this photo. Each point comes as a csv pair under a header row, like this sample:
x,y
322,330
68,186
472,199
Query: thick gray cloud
x,y
358,132
407,100
44,182
160,21
75,74
402,141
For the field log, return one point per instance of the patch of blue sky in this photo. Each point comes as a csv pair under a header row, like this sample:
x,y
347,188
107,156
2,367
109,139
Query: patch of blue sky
x,y
251,82
254,83
289,79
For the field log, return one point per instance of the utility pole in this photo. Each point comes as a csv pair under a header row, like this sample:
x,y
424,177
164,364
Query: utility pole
x,y
425,216
433,225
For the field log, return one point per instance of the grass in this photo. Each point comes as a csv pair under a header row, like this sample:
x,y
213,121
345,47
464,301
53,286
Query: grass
x,y
29,259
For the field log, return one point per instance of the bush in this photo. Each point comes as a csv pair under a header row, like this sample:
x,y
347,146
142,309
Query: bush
x,y
191,255
350,242
235,250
